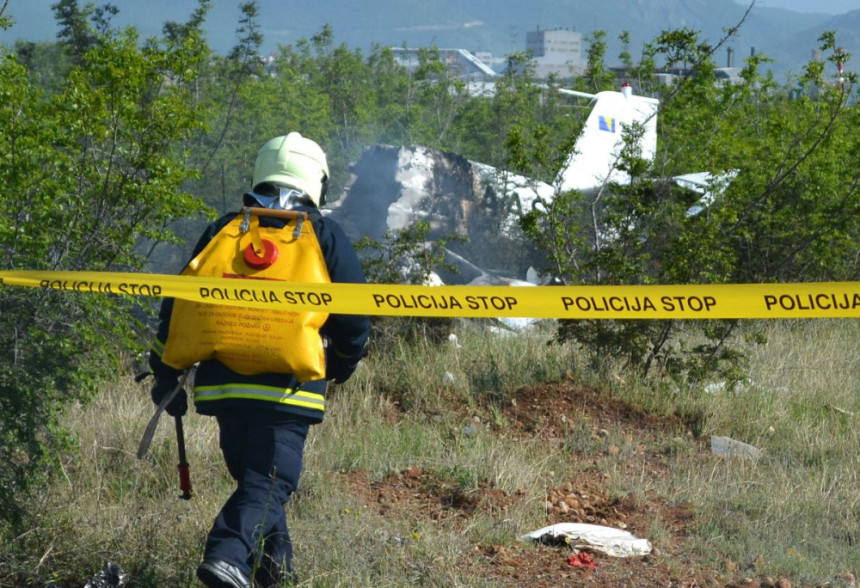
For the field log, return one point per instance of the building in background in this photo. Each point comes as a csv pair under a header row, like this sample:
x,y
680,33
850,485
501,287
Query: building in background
x,y
463,63
556,52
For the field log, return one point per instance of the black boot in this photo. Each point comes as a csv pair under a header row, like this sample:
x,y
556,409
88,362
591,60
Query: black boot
x,y
219,574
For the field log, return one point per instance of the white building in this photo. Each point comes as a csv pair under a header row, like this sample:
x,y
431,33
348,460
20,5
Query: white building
x,y
556,51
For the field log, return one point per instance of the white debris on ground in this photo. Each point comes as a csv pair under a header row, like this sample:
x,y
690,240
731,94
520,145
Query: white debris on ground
x,y
737,386
586,537
728,447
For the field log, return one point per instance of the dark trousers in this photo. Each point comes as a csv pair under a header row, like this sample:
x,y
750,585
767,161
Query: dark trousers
x,y
263,453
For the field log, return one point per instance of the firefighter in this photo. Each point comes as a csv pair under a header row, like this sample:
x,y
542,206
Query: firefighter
x,y
264,417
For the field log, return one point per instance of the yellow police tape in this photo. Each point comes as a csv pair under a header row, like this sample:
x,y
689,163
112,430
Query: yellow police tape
x,y
721,301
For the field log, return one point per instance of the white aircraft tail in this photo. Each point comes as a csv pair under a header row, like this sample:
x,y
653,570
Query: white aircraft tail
x,y
595,155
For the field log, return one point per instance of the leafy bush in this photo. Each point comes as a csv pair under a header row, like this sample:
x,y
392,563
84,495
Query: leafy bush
x,y
405,257
91,174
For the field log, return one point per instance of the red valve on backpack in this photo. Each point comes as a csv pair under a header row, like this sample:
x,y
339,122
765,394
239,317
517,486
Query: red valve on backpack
x,y
261,259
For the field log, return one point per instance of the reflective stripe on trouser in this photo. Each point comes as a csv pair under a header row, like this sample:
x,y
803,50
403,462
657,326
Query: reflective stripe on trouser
x,y
303,398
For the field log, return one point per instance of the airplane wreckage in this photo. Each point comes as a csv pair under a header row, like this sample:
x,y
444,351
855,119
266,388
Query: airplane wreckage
x,y
393,187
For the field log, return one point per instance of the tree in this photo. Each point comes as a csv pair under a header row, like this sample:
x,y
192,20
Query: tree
x,y
221,97
75,33
344,78
406,257
92,174
393,96
5,21
596,76
48,63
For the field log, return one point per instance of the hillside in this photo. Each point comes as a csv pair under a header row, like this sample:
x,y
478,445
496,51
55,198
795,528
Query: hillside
x,y
496,26
428,472
847,25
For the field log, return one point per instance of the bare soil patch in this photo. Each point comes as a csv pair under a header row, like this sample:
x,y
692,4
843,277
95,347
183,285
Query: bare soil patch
x,y
546,412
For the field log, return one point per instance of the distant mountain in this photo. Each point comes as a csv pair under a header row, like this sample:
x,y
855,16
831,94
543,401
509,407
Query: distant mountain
x,y
848,37
497,26
820,6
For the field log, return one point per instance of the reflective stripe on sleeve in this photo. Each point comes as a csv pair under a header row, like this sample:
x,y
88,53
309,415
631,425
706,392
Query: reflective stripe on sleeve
x,y
157,347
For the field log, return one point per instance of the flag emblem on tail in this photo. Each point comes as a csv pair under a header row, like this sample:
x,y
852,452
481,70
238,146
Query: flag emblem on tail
x,y
607,123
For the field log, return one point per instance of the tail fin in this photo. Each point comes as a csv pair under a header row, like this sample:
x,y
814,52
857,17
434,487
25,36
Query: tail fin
x,y
595,155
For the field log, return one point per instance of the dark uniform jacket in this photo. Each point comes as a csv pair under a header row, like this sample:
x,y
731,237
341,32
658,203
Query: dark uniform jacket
x,y
219,390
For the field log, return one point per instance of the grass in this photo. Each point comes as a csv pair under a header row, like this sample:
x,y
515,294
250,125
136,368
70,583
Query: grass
x,y
801,410
794,513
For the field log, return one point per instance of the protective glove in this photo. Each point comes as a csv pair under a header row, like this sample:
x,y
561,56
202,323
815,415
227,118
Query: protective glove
x,y
179,405
339,370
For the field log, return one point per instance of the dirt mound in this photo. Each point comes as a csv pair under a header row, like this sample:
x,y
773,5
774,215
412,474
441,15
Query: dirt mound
x,y
547,410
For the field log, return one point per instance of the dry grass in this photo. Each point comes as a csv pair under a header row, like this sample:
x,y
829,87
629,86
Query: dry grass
x,y
793,513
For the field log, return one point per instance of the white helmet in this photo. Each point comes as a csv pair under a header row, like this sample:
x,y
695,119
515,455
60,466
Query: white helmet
x,y
293,161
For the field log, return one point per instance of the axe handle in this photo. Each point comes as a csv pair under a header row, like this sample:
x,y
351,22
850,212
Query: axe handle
x,y
146,440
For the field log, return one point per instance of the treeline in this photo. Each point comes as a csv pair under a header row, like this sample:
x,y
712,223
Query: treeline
x,y
112,145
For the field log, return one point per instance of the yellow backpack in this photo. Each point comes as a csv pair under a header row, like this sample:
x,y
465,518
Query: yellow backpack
x,y
250,340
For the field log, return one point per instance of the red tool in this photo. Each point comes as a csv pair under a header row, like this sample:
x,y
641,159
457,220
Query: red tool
x,y
184,474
